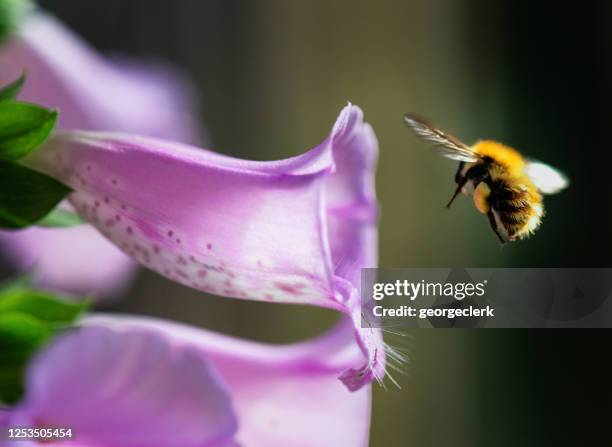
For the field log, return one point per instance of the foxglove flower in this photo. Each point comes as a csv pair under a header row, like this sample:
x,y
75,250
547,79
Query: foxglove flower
x,y
296,231
92,94
126,381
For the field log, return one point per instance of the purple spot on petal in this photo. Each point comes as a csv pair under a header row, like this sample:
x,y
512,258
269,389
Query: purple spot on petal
x,y
291,289
182,274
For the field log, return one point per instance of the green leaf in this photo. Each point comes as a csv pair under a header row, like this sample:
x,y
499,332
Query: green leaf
x,y
59,218
28,320
26,196
20,336
23,127
12,90
41,305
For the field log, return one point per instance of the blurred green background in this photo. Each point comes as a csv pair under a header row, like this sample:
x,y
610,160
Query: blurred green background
x,y
273,75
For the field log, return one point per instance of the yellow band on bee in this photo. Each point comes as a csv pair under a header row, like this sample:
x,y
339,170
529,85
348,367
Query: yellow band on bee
x,y
481,196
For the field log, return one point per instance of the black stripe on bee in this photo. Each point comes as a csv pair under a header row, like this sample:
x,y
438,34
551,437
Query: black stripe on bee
x,y
511,204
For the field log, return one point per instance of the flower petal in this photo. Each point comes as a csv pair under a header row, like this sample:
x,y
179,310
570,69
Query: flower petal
x,y
256,230
352,210
284,395
128,388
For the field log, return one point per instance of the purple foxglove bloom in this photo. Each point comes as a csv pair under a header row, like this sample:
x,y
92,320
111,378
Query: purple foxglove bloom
x,y
91,94
296,231
125,381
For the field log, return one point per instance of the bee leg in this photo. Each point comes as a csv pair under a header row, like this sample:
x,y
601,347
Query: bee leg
x,y
458,174
460,184
493,224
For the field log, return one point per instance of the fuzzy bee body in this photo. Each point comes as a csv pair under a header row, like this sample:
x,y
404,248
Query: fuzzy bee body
x,y
504,185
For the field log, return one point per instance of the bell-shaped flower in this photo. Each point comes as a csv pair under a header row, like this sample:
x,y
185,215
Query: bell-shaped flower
x,y
91,93
295,231
127,381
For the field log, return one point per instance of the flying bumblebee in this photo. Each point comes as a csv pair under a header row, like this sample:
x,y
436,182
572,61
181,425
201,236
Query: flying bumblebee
x,y
506,187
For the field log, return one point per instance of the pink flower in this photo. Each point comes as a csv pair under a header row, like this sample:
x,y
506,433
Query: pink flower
x,y
93,94
296,231
128,382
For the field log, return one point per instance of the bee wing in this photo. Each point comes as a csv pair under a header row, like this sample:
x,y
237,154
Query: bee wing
x,y
446,145
547,179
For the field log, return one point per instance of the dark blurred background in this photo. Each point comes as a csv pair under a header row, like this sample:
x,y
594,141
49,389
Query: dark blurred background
x,y
272,76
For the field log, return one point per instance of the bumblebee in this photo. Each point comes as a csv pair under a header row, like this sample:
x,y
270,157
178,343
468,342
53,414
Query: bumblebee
x,y
505,186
